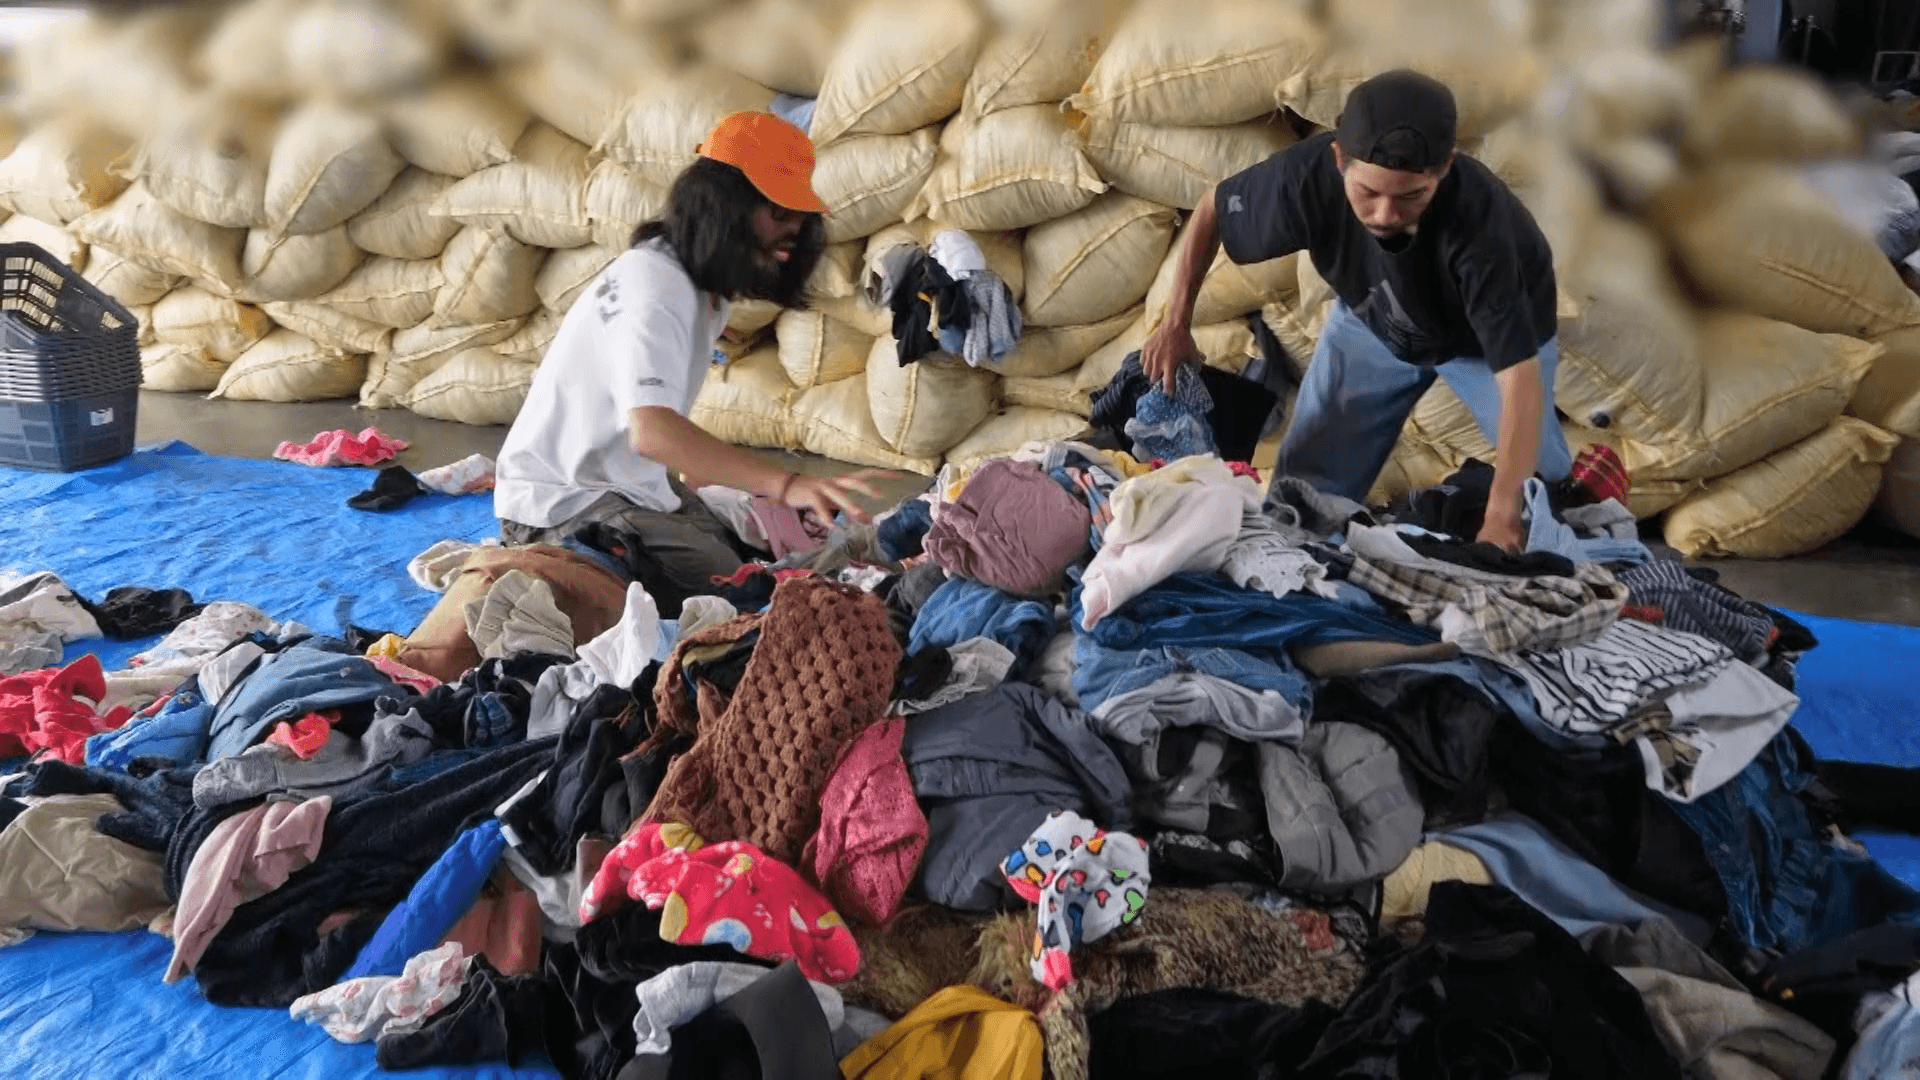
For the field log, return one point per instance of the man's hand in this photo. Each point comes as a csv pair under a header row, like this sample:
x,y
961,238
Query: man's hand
x,y
1164,352
1503,528
826,496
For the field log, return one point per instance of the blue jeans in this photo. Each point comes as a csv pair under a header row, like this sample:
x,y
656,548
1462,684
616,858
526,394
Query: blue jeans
x,y
1787,887
1357,396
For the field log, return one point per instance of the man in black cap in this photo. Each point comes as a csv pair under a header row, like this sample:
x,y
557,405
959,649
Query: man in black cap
x,y
1436,268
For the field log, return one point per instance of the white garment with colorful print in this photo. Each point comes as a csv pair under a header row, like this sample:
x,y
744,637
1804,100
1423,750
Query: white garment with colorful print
x,y
1086,882
361,1010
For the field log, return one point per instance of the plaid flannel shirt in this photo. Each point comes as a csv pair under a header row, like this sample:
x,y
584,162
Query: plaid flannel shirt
x,y
1515,614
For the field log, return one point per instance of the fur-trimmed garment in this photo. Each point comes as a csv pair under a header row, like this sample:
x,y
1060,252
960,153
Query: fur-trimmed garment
x,y
1185,938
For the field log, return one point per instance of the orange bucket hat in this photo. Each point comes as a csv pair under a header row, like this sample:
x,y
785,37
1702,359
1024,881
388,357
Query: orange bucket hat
x,y
776,156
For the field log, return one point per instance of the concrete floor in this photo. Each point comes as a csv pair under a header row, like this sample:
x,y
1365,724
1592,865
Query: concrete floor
x,y
1872,574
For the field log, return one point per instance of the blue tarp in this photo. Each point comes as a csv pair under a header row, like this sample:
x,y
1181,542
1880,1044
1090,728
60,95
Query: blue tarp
x,y
273,534
276,535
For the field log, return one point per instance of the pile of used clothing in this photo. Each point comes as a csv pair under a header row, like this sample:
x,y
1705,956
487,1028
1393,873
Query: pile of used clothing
x,y
1073,766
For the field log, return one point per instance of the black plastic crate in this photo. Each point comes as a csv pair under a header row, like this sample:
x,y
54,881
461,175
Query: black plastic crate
x,y
63,436
69,366
60,337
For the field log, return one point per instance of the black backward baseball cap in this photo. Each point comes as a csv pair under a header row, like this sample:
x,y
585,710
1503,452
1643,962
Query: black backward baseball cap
x,y
1399,120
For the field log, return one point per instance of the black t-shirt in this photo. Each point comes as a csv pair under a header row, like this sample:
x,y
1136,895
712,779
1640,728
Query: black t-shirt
x,y
1476,279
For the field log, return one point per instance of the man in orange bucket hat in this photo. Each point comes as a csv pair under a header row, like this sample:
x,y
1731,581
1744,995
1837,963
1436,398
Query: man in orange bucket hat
x,y
604,430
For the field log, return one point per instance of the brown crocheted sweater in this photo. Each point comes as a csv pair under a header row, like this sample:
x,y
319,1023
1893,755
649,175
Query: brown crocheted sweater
x,y
822,673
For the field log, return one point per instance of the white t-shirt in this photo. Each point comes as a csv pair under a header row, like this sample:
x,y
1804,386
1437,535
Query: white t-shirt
x,y
641,336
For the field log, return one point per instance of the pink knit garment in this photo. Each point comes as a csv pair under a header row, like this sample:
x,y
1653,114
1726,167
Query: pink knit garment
x,y
872,832
371,447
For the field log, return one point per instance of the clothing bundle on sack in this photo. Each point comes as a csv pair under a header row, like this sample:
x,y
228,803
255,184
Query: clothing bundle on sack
x,y
994,325
925,300
944,299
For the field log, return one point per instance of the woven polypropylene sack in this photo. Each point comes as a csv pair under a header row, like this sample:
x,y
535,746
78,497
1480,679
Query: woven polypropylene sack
x,y
1230,289
1046,351
748,403
296,267
538,198
1042,54
60,243
1010,429
363,48
329,163
1762,240
529,343
835,421
899,66
923,408
1491,69
1096,263
139,227
245,57
1630,363
1766,385
661,127
1899,501
1790,503
1011,169
127,281
817,349
1175,166
868,181
1197,65
1047,393
477,386
224,327
1768,113
285,366
489,277
618,200
179,368
391,292
328,327
60,171
417,352
1889,397
567,274
457,127
784,45
579,99
401,223
212,165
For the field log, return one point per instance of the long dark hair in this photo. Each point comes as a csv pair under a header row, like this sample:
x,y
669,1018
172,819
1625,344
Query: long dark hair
x,y
709,226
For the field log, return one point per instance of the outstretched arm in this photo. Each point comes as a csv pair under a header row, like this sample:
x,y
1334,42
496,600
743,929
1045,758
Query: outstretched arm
x,y
1171,344
1522,404
665,436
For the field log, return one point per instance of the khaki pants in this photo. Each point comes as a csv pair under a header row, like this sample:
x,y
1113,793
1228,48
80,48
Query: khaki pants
x,y
691,545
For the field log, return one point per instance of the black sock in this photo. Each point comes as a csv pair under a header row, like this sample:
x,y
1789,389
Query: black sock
x,y
394,488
